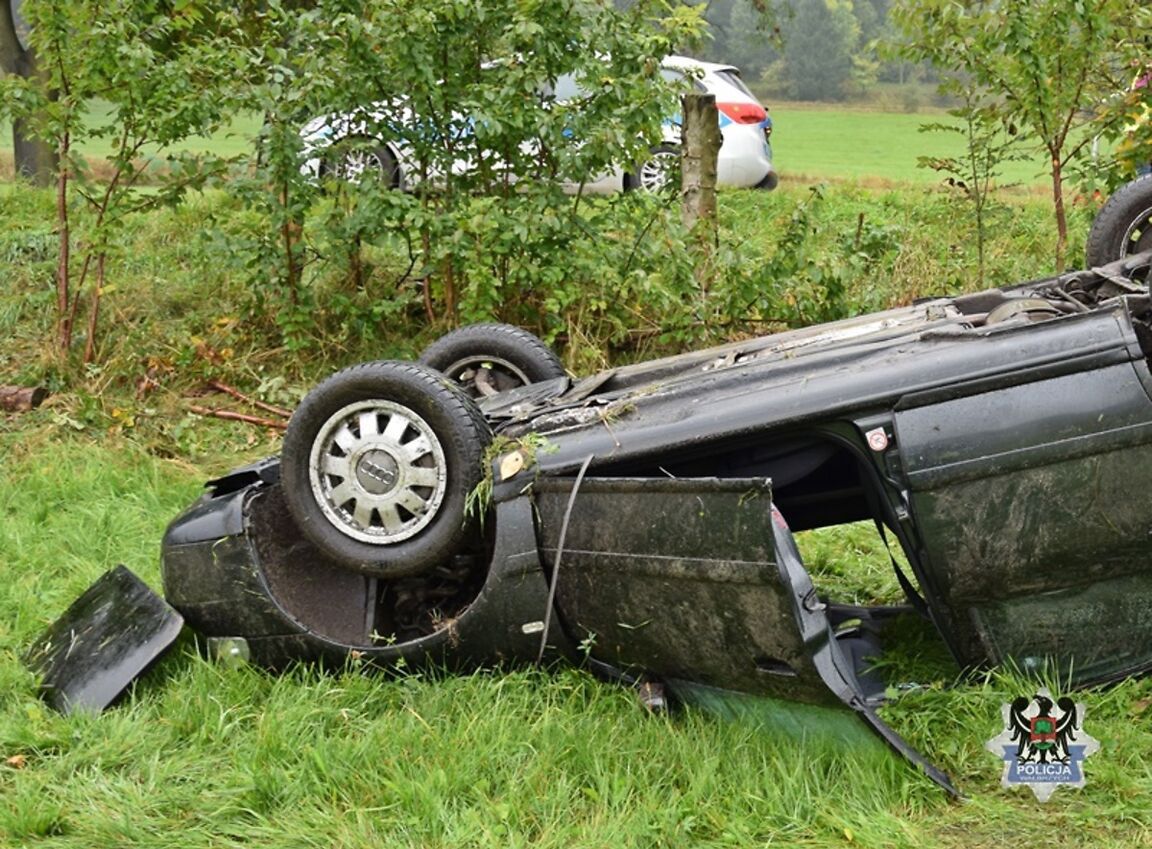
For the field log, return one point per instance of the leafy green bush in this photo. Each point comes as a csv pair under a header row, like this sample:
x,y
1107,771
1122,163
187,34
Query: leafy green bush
x,y
468,91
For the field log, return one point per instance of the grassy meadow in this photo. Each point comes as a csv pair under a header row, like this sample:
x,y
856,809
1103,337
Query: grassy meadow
x,y
205,755
812,141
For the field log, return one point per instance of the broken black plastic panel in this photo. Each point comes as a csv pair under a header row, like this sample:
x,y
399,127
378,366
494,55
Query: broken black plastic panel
x,y
106,638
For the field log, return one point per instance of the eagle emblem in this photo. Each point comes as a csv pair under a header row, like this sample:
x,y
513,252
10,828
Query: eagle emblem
x,y
1043,743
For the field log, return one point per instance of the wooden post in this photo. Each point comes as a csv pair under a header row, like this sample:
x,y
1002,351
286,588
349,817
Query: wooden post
x,y
698,180
18,399
34,158
698,187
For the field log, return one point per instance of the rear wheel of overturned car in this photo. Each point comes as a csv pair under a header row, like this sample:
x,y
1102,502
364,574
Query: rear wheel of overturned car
x,y
488,358
377,465
1124,225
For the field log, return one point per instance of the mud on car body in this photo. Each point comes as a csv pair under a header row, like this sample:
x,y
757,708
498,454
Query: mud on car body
x,y
640,520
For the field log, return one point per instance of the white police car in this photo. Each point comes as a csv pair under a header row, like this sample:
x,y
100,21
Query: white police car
x,y
349,145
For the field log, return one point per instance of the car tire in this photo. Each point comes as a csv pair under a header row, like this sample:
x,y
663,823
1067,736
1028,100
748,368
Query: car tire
x,y
658,173
377,466
485,359
357,158
769,183
1124,225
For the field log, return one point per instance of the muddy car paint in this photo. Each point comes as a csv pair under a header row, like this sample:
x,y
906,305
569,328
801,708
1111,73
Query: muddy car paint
x,y
669,599
1010,456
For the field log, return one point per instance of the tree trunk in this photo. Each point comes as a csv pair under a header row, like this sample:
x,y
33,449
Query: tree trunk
x,y
1061,216
94,311
35,159
698,163
65,305
291,231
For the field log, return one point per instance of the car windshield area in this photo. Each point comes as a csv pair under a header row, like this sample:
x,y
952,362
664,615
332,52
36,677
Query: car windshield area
x,y
567,87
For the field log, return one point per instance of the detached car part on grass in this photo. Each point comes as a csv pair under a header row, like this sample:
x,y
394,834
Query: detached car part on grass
x,y
641,519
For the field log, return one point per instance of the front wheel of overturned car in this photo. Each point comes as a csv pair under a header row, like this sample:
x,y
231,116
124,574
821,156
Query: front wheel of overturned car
x,y
488,358
1124,225
377,465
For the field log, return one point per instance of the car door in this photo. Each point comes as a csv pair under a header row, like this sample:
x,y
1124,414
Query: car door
x,y
697,583
1028,493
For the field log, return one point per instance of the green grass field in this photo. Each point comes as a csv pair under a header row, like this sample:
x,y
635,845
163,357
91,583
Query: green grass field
x,y
818,141
234,140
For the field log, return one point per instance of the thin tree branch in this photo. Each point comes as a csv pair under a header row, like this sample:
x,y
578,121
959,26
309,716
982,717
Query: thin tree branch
x,y
230,415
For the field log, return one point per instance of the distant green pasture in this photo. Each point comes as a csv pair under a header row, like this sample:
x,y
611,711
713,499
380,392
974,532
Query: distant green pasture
x,y
236,138
849,142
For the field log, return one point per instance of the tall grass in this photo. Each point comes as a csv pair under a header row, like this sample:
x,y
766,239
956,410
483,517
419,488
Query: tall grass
x,y
201,755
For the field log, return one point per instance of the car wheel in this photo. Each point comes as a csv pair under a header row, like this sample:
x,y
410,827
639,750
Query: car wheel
x,y
660,172
357,159
488,358
1124,225
769,183
377,465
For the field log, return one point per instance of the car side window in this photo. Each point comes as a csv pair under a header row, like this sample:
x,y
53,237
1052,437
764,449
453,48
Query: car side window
x,y
567,88
733,79
674,76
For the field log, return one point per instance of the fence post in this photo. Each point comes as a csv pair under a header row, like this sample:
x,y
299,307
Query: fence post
x,y
698,170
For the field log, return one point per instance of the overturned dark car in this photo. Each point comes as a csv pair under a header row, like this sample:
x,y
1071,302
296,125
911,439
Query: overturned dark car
x,y
484,507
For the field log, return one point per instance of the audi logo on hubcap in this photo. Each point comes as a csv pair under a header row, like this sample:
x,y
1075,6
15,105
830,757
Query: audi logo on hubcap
x,y
378,472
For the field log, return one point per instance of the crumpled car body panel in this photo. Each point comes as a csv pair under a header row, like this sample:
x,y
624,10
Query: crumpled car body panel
x,y
108,637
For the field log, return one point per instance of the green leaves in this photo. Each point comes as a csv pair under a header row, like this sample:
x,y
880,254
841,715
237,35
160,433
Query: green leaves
x,y
164,76
487,106
466,92
1054,68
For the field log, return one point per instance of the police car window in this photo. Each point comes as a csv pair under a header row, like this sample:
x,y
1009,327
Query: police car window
x,y
674,76
733,78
